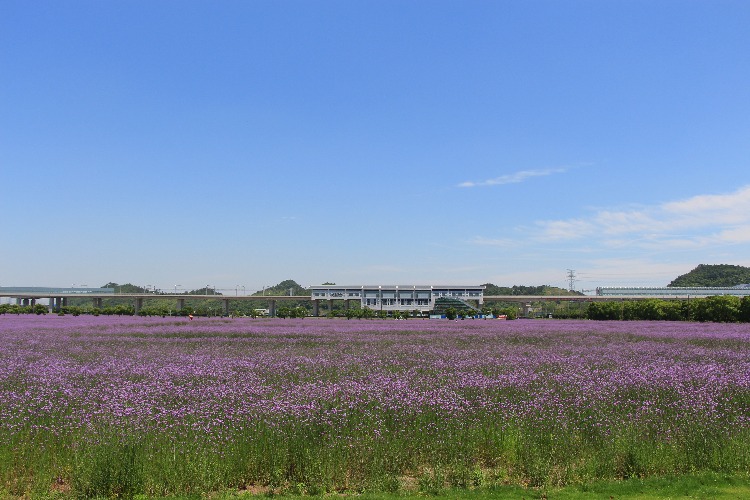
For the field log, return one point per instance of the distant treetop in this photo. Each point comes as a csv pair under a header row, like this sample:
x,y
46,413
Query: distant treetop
x,y
490,289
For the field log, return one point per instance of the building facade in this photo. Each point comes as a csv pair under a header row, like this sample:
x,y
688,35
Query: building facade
x,y
396,297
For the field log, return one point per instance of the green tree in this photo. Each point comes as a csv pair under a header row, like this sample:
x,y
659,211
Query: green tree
x,y
720,308
367,313
604,311
451,313
673,310
745,309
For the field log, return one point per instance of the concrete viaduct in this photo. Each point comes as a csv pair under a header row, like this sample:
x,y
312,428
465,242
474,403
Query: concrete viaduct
x,y
58,300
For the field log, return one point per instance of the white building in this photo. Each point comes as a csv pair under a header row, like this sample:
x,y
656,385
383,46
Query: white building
x,y
396,297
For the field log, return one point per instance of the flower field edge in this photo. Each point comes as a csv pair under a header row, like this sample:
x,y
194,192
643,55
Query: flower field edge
x,y
96,407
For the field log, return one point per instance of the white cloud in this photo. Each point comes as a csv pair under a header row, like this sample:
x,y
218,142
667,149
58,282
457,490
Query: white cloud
x,y
566,229
696,222
630,272
739,234
736,202
514,178
633,246
495,242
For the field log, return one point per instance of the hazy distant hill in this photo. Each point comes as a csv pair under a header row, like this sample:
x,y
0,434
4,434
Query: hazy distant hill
x,y
284,288
714,275
287,286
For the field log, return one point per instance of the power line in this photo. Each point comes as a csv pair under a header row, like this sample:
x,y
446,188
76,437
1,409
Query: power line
x,y
571,279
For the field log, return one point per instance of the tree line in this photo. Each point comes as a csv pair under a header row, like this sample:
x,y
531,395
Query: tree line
x,y
720,309
723,309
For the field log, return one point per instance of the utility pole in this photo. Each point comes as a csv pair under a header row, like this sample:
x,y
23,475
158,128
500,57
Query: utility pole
x,y
571,279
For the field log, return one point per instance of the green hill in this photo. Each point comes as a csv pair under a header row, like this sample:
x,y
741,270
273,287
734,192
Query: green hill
x,y
714,275
284,288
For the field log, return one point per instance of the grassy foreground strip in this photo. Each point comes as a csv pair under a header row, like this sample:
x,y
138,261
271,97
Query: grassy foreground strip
x,y
707,486
95,407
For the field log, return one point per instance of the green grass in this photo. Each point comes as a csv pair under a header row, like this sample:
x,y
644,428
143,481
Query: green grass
x,y
424,453
702,486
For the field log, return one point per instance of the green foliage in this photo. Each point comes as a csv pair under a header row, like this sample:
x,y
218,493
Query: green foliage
x,y
155,311
126,288
110,470
509,312
490,289
15,309
366,313
203,291
722,309
292,312
74,310
606,311
404,314
451,313
745,309
714,275
284,288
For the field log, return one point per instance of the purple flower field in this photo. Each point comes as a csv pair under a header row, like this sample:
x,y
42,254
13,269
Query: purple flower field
x,y
340,405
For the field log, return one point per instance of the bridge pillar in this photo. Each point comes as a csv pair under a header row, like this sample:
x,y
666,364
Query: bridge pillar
x,y
65,302
272,308
330,306
98,302
25,302
316,307
18,301
138,305
180,304
33,302
347,304
526,309
226,307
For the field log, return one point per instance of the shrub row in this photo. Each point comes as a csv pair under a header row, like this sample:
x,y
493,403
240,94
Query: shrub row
x,y
720,309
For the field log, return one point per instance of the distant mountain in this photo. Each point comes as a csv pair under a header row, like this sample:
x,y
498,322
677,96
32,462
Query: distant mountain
x,y
284,288
714,275
287,286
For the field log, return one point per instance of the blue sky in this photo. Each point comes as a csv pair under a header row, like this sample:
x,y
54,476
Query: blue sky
x,y
363,142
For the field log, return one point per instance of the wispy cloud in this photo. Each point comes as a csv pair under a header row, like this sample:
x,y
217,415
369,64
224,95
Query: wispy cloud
x,y
514,178
495,242
695,222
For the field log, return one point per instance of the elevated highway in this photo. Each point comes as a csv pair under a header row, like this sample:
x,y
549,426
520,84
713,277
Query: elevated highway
x,y
59,298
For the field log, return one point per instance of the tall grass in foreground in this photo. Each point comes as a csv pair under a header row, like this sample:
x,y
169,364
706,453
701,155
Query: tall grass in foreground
x,y
121,407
